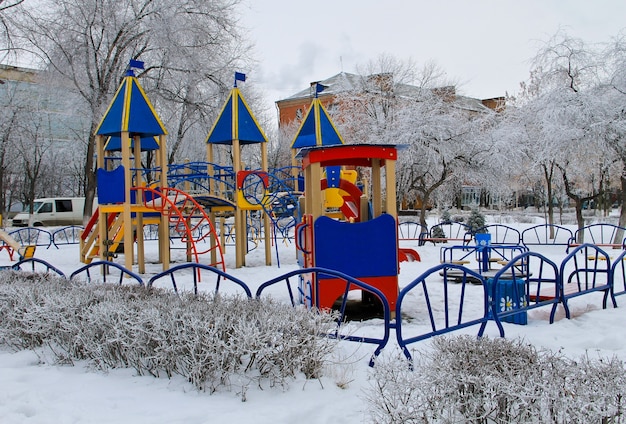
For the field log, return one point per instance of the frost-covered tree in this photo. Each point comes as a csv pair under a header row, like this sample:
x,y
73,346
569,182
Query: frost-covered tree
x,y
535,157
366,112
279,148
187,46
556,121
5,30
443,144
396,103
610,100
33,149
193,58
568,71
10,113
38,140
28,137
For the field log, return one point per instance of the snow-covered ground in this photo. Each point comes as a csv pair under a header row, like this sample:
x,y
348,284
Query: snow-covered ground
x,y
34,391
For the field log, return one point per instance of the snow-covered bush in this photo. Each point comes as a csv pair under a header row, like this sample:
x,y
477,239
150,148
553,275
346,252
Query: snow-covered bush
x,y
481,380
212,340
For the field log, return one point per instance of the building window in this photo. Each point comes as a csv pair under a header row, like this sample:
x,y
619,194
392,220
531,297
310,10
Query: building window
x,y
470,196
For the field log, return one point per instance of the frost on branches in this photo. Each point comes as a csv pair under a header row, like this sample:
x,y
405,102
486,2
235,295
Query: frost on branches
x,y
470,380
214,341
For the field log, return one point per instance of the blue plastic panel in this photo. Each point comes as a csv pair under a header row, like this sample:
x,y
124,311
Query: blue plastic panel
x,y
360,249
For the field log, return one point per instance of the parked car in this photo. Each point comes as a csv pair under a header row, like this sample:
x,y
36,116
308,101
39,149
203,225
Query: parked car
x,y
52,211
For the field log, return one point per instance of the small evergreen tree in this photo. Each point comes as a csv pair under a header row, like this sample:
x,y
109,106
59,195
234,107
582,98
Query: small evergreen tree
x,y
445,217
438,233
476,222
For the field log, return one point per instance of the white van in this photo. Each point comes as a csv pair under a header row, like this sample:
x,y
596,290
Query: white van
x,y
52,211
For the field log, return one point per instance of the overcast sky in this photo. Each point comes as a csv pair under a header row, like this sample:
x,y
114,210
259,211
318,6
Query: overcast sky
x,y
484,44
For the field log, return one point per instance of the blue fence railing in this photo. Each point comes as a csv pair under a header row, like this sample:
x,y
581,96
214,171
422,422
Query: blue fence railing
x,y
440,294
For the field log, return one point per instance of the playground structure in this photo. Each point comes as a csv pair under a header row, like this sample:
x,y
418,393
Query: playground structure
x,y
346,226
364,244
127,201
237,127
190,204
132,196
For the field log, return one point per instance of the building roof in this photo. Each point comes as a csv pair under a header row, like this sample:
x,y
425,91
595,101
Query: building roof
x,y
17,73
345,81
336,84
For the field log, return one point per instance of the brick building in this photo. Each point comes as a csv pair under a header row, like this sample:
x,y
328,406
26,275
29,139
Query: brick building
x,y
296,106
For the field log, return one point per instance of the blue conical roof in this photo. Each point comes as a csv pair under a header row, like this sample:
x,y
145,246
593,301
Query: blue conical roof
x,y
236,122
131,111
317,129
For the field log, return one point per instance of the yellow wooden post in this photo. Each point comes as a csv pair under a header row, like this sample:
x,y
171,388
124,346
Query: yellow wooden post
x,y
100,151
266,218
212,239
187,184
164,228
164,238
390,188
158,176
241,237
102,235
241,243
141,263
126,215
102,222
308,188
162,152
316,205
188,243
294,169
210,170
377,195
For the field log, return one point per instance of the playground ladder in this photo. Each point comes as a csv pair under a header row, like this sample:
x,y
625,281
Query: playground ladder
x,y
185,216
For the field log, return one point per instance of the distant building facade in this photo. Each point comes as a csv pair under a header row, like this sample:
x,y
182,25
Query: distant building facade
x,y
41,124
51,108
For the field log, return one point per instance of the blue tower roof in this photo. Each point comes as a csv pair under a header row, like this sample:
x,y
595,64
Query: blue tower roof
x,y
317,129
236,122
131,111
